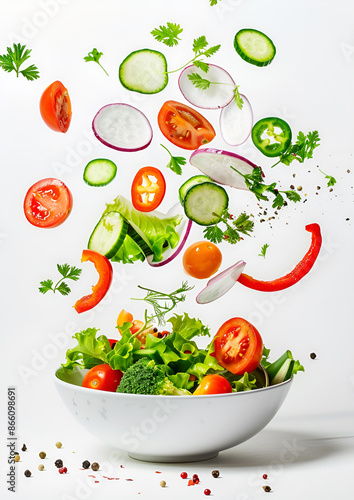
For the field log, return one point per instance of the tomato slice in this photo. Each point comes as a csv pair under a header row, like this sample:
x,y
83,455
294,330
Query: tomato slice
x,y
48,203
238,346
55,107
102,377
213,384
148,189
183,126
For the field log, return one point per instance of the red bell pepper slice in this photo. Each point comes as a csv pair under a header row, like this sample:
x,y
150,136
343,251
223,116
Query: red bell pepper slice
x,y
148,189
299,271
105,271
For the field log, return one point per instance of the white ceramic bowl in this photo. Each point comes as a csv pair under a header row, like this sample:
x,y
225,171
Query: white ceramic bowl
x,y
170,428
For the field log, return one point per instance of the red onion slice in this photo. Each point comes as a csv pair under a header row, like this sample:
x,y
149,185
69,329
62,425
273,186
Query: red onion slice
x,y
122,127
235,123
220,284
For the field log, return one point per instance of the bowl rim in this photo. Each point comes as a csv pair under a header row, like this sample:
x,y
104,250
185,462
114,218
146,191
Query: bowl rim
x,y
180,397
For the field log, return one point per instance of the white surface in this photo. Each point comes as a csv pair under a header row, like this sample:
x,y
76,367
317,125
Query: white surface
x,y
309,84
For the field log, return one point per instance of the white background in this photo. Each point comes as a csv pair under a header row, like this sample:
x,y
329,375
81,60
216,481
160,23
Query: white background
x,y
310,85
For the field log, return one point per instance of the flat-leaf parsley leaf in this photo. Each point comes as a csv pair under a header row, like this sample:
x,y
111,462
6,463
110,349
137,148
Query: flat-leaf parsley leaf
x,y
95,56
13,60
168,34
175,163
67,272
242,224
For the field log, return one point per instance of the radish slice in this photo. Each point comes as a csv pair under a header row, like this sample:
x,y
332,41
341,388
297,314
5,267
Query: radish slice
x,y
122,127
220,284
216,96
235,123
216,163
183,229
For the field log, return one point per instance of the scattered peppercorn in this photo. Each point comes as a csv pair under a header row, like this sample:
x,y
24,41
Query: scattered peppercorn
x,y
58,444
267,488
191,482
313,355
40,467
42,454
195,478
17,458
24,448
299,188
184,475
265,476
58,463
155,330
215,473
27,473
63,470
159,335
86,464
207,491
162,484
292,186
95,466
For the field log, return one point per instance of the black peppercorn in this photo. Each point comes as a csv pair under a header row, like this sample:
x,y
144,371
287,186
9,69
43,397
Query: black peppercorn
x,y
58,463
313,355
267,488
86,464
27,473
215,473
24,448
95,466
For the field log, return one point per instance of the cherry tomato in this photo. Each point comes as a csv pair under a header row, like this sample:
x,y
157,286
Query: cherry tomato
x,y
148,189
102,377
48,203
238,346
112,342
183,126
201,259
213,384
55,107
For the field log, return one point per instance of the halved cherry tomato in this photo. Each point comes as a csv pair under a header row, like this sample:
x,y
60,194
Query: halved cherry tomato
x,y
148,189
202,259
238,346
213,384
102,377
183,126
105,271
55,107
48,203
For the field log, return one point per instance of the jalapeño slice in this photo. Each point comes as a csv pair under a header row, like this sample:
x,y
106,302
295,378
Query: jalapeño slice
x,y
272,136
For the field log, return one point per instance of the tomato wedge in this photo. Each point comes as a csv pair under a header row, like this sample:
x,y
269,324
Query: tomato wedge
x,y
55,107
238,346
48,203
105,271
102,377
183,126
148,189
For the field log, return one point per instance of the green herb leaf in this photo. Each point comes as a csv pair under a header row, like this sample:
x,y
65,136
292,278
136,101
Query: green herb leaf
x,y
63,288
67,272
168,34
198,81
331,180
13,60
211,51
302,149
199,44
201,65
175,163
46,285
95,56
237,98
264,250
242,224
213,2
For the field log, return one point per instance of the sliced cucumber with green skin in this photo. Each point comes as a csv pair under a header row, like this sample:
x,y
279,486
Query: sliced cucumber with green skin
x,y
145,248
204,203
109,234
144,71
254,47
197,179
100,172
282,369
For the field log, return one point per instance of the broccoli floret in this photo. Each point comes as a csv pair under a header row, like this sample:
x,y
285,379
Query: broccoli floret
x,y
144,377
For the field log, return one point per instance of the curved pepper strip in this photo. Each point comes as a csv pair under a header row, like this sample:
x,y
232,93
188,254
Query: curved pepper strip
x,y
105,271
299,271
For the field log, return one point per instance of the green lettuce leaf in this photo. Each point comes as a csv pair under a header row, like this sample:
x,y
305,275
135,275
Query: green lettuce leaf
x,y
188,327
129,252
158,232
89,351
122,356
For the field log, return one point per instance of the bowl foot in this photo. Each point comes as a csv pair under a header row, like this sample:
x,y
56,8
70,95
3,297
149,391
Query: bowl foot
x,y
173,458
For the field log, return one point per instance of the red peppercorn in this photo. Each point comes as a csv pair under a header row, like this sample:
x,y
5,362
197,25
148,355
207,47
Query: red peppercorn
x,y
265,476
191,482
184,475
63,470
207,491
195,478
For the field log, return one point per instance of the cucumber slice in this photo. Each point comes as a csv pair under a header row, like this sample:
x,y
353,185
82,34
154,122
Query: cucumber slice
x,y
196,179
204,203
100,172
109,234
254,47
144,71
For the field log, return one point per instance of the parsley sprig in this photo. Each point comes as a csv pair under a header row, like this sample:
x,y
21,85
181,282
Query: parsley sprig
x,y
202,83
162,302
254,182
95,56
302,149
200,49
13,60
263,250
168,34
242,224
331,180
67,272
213,2
175,163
